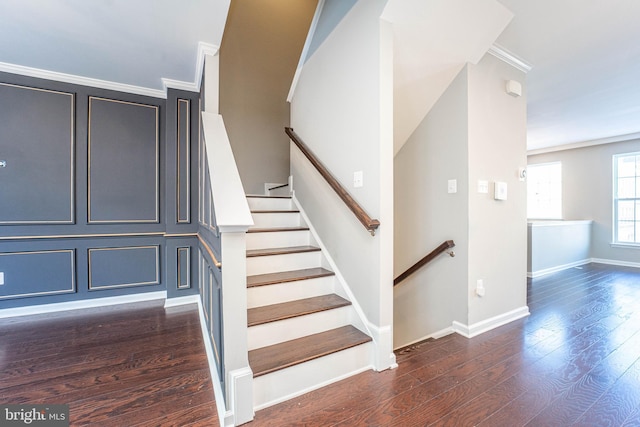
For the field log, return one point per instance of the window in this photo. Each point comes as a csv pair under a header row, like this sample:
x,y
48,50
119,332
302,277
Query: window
x,y
626,198
544,191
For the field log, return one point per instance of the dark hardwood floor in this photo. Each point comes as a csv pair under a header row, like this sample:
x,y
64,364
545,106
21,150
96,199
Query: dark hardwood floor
x,y
130,365
574,361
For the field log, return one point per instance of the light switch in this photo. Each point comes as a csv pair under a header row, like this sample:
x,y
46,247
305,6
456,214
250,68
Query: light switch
x,y
483,186
452,186
358,179
1,277
500,191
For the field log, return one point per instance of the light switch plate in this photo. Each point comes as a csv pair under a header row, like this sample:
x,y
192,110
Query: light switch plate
x,y
483,186
452,186
500,191
358,179
1,277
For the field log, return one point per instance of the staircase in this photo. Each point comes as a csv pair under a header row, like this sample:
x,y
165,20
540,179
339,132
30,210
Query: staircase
x,y
301,324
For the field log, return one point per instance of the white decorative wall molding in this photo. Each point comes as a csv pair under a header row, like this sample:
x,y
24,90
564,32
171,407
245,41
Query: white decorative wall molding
x,y
616,262
81,80
538,273
583,144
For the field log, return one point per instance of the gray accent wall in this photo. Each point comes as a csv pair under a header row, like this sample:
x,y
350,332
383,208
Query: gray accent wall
x,y
587,194
98,192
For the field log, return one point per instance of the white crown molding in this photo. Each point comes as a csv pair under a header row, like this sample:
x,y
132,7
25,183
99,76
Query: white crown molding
x,y
80,80
203,50
510,58
590,143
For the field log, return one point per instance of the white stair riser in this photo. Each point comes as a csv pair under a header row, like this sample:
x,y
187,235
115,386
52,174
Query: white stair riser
x,y
289,291
278,239
297,327
269,203
288,383
274,220
286,262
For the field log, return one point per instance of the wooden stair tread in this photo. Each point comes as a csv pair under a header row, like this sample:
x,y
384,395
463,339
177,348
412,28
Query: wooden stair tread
x,y
288,310
281,251
274,229
289,353
287,276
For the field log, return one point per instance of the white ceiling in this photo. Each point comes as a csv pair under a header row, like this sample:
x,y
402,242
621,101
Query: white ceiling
x,y
130,42
585,54
585,80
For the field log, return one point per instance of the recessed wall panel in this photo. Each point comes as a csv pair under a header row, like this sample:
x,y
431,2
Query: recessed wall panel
x,y
37,273
183,163
123,267
37,146
123,162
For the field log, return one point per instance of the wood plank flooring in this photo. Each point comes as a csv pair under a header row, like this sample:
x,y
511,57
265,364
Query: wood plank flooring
x,y
574,361
130,365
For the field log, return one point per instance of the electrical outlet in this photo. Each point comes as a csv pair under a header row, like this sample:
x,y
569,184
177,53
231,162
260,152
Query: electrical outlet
x,y
1,277
480,287
452,186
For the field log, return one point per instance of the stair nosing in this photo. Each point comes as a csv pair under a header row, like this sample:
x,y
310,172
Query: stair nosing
x,y
332,301
362,339
277,229
320,272
275,211
255,253
260,196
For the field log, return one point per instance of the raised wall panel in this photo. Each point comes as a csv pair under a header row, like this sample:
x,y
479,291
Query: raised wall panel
x,y
37,273
123,162
123,267
37,142
183,163
183,278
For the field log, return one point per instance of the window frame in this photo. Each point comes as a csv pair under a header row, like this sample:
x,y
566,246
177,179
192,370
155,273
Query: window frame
x,y
615,199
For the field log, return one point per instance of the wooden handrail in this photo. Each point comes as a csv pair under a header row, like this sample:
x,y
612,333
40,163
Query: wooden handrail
x,y
434,253
369,223
217,263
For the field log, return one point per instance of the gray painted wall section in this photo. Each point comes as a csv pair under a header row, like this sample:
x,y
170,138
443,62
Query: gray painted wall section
x,y
587,193
133,179
552,245
332,13
37,141
426,215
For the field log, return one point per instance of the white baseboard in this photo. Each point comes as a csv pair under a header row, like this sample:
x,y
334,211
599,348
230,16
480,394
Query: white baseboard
x,y
78,305
555,269
174,302
616,262
225,417
435,335
476,329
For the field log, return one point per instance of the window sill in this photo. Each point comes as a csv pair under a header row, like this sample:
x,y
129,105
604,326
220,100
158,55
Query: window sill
x,y
625,245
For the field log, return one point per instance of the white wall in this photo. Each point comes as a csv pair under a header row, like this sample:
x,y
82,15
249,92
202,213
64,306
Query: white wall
x,y
426,215
474,132
587,193
497,229
337,110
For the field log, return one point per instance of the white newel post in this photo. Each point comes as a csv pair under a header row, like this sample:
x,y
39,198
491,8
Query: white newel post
x,y
238,374
233,219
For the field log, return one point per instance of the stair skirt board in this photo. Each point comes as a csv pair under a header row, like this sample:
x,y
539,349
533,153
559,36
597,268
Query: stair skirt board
x,y
285,384
297,327
279,239
285,262
289,291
